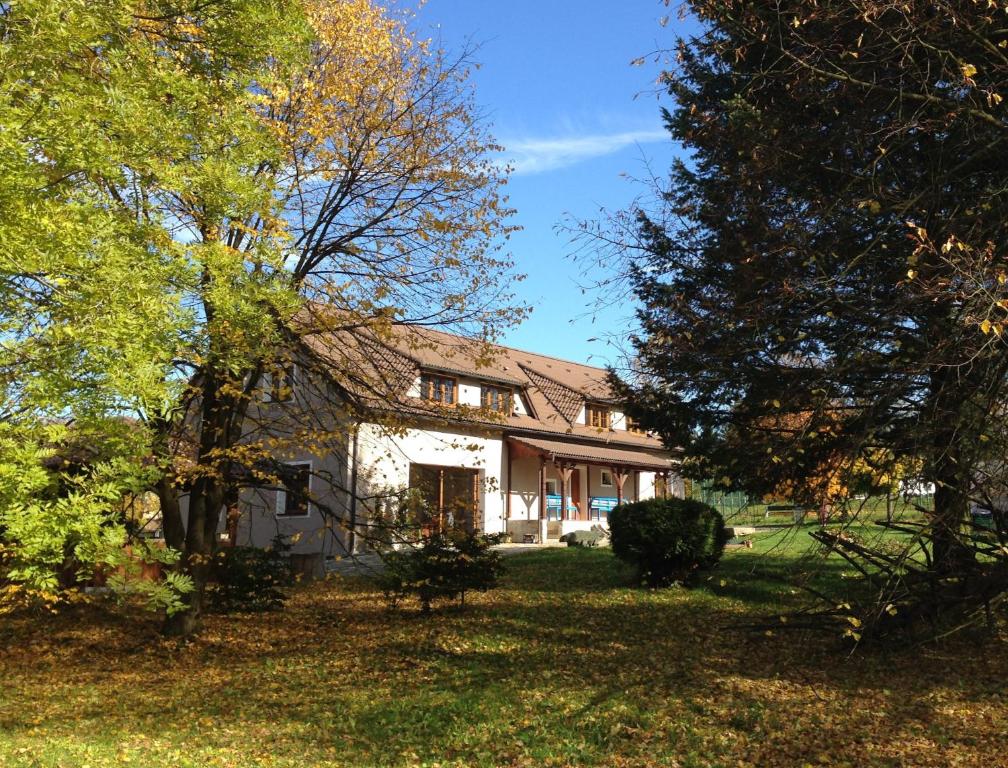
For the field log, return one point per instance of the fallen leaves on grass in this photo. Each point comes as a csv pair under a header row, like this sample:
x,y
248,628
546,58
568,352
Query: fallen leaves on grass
x,y
563,665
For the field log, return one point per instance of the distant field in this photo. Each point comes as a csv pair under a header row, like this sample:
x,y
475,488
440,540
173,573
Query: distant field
x,y
566,664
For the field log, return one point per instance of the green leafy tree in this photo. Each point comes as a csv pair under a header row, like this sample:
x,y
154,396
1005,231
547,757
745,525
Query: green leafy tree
x,y
267,173
832,247
109,112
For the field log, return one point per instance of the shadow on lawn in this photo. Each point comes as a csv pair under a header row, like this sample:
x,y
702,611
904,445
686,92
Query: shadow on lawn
x,y
561,657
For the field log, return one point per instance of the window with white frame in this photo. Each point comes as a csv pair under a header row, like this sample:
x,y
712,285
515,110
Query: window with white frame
x,y
292,499
606,478
552,487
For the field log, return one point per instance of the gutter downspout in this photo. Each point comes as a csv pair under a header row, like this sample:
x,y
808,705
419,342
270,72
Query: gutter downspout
x,y
352,533
507,499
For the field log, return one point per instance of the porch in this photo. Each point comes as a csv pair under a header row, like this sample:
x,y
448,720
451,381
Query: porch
x,y
555,487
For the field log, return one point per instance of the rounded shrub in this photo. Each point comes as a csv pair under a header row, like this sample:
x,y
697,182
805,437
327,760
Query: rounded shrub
x,y
667,540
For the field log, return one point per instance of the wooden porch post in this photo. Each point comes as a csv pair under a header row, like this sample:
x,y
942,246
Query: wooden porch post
x,y
542,500
507,499
441,500
619,485
565,475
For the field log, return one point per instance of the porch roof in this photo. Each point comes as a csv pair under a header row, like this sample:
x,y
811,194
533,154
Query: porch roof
x,y
594,454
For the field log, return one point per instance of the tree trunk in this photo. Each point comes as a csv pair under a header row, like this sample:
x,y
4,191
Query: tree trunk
x,y
951,503
171,513
949,473
206,501
185,623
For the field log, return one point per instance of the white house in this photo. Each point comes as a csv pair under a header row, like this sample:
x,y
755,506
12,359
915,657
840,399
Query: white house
x,y
495,439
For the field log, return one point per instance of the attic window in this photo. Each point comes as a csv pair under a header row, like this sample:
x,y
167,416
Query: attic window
x,y
598,416
633,426
438,389
495,398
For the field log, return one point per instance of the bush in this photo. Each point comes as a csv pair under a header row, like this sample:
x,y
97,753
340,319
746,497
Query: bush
x,y
440,567
250,578
668,540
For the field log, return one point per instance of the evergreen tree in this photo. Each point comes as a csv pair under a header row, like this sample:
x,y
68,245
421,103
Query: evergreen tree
x,y
833,252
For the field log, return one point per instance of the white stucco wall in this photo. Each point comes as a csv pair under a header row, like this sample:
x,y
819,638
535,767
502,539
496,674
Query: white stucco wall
x,y
309,409
469,394
384,460
319,531
524,489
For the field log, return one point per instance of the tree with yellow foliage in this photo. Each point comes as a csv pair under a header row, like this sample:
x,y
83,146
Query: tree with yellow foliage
x,y
386,210
193,191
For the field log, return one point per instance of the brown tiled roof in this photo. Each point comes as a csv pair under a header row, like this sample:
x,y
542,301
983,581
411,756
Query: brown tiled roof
x,y
556,449
566,401
553,390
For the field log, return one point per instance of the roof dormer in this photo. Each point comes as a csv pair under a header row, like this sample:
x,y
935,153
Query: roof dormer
x,y
598,415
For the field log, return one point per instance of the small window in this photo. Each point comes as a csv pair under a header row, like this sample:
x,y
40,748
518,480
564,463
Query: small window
x,y
438,389
496,398
552,487
279,384
606,478
597,416
633,426
292,498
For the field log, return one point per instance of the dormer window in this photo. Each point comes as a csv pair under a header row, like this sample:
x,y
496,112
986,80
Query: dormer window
x,y
495,398
633,426
598,416
438,389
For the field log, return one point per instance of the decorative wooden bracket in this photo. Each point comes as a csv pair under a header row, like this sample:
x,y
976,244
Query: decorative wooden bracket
x,y
620,477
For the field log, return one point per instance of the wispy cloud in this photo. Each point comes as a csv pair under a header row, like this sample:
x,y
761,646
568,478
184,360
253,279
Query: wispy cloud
x,y
529,156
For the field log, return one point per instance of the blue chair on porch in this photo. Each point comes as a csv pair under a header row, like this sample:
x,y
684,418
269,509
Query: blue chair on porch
x,y
553,506
599,507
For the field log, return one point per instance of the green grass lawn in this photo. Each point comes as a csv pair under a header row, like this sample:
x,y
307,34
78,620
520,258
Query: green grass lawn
x,y
566,664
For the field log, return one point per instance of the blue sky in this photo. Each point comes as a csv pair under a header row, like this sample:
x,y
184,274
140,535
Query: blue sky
x,y
556,83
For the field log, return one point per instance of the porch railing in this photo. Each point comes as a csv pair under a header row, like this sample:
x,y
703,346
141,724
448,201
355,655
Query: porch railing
x,y
599,507
553,506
